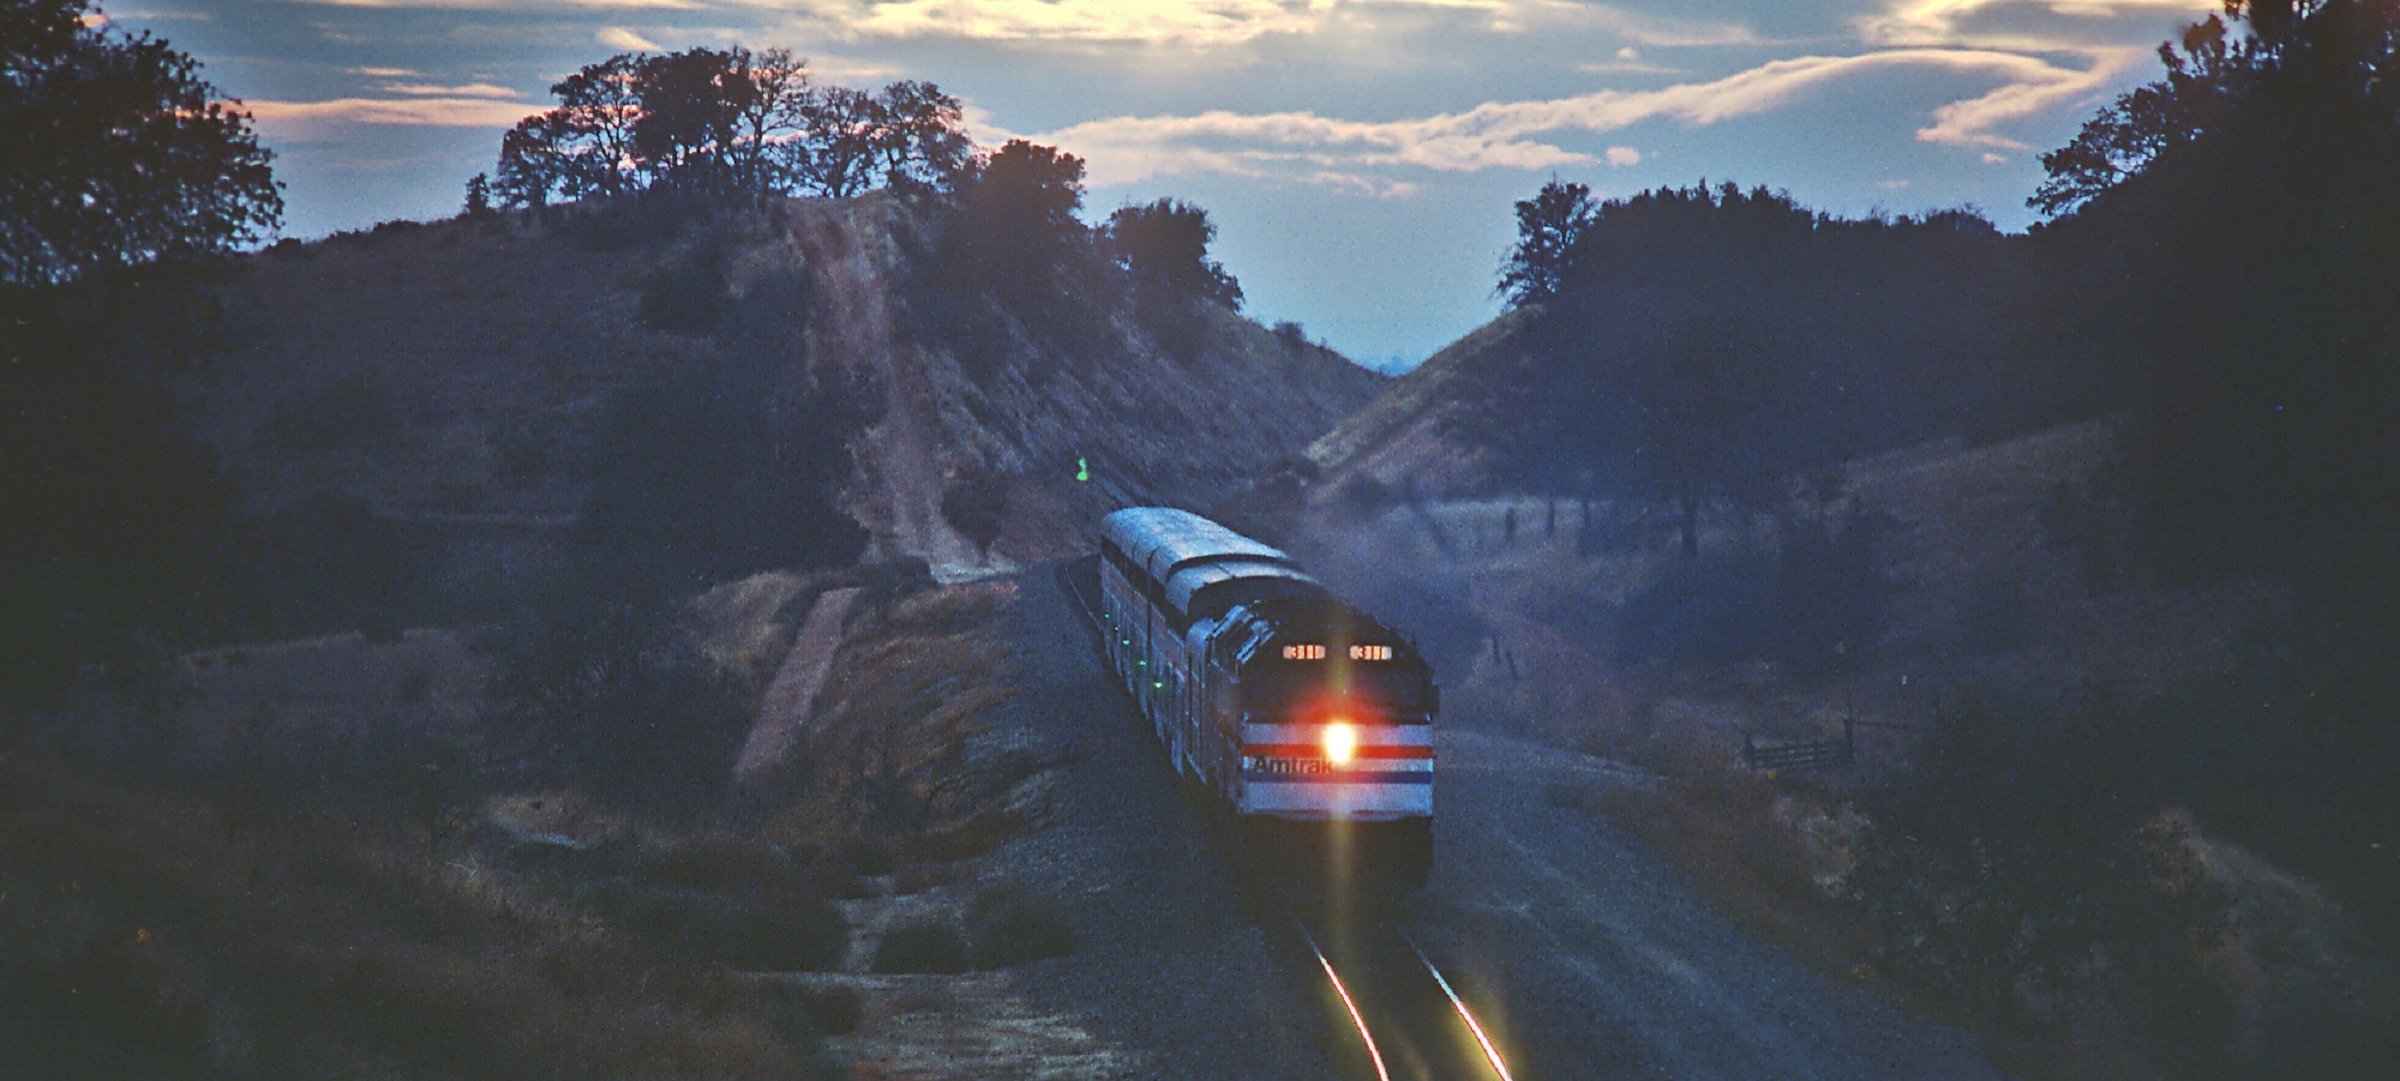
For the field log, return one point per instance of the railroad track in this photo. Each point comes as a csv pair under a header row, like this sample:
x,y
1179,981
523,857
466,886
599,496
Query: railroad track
x,y
1409,1020
1393,1015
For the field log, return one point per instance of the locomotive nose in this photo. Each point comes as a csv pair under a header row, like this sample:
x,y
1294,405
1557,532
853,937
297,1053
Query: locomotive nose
x,y
1341,742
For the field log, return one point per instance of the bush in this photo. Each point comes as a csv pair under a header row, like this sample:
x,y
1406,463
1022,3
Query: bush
x,y
616,698
2025,865
975,502
706,473
1007,924
927,945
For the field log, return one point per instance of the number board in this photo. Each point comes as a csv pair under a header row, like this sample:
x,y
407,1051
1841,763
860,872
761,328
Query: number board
x,y
1304,652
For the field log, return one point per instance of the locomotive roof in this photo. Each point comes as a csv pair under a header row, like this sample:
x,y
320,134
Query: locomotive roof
x,y
1322,618
1260,579
1160,538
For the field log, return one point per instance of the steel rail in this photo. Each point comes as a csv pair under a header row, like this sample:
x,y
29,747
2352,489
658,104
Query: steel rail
x,y
1374,1053
1483,1040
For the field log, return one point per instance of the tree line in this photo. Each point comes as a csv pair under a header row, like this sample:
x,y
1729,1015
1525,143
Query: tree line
x,y
2218,272
727,120
2222,254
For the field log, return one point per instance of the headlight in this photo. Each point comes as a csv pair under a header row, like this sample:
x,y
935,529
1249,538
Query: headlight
x,y
1341,743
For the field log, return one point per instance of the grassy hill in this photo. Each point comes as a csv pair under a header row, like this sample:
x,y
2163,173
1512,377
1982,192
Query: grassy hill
x,y
450,378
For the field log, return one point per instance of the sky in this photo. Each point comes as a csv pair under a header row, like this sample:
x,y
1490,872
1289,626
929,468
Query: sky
x,y
1360,158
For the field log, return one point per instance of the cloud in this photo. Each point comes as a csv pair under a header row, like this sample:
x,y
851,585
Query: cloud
x,y
1224,22
301,118
514,5
1980,22
618,37
469,90
2039,88
1990,158
1622,156
1514,134
386,73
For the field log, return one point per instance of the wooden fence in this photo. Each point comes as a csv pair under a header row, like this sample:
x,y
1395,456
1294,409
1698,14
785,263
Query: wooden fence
x,y
1821,754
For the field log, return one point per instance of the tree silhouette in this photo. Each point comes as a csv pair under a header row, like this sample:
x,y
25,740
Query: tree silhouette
x,y
479,197
922,145
975,502
1017,227
690,109
1549,225
116,168
767,106
115,152
1164,247
728,120
2235,226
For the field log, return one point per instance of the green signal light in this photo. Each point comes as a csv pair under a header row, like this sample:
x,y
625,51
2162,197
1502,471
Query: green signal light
x,y
1083,469
1159,686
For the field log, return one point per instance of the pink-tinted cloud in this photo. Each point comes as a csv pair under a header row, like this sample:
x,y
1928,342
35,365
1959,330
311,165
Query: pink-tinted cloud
x,y
1517,134
466,90
618,37
302,118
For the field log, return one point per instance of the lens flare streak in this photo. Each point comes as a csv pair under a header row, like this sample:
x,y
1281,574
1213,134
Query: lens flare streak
x,y
1373,1053
1491,1054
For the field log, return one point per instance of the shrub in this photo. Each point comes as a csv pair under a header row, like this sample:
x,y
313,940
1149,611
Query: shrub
x,y
704,474
1007,924
2024,865
975,502
925,945
617,698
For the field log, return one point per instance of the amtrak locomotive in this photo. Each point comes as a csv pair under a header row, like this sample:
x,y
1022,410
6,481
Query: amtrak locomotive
x,y
1287,705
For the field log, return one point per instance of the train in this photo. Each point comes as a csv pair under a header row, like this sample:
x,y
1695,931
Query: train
x,y
1289,709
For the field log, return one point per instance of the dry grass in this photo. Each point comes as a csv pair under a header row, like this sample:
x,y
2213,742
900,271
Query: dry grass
x,y
152,934
1771,854
741,625
898,755
1988,603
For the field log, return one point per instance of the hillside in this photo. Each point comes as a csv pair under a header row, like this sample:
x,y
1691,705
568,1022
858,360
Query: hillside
x,y
1405,431
451,375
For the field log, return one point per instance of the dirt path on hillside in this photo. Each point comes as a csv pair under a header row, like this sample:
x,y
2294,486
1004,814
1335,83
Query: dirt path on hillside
x,y
898,491
784,709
